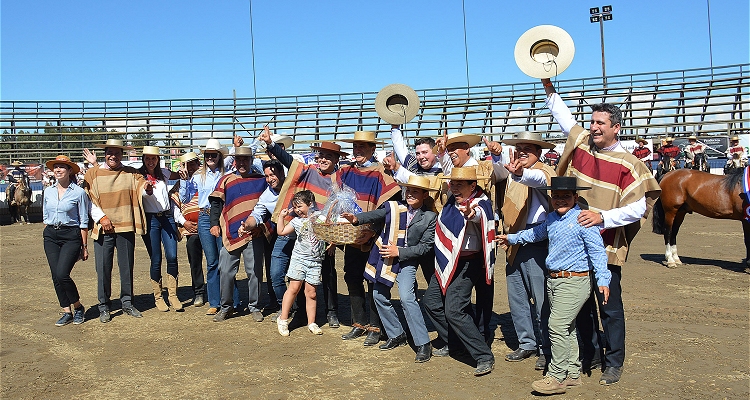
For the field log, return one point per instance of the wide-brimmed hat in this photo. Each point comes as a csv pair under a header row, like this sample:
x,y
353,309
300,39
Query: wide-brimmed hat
x,y
63,159
214,145
457,137
189,156
564,183
544,51
329,146
284,140
116,143
737,138
397,104
150,151
669,139
419,182
641,140
243,151
16,163
363,136
692,137
464,174
529,137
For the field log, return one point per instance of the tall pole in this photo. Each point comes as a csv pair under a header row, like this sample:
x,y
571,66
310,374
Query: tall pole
x,y
710,44
252,51
466,47
601,34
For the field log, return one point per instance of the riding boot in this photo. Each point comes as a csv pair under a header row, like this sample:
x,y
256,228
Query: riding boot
x,y
160,304
172,290
12,194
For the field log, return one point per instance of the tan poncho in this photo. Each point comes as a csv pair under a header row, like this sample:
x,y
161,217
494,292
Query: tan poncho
x,y
617,179
118,194
516,202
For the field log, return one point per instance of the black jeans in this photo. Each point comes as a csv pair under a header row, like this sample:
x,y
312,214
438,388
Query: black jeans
x,y
613,323
104,252
63,247
354,270
452,314
195,259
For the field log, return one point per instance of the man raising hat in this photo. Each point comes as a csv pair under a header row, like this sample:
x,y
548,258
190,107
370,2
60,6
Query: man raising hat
x,y
623,192
116,208
525,206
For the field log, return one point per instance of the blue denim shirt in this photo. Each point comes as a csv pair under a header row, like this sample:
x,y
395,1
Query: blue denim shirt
x,y
204,188
70,210
571,246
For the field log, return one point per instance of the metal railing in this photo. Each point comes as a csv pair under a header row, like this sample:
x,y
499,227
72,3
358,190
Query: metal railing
x,y
705,101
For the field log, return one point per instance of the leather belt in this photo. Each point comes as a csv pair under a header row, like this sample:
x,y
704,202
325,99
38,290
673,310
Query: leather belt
x,y
567,274
205,210
159,214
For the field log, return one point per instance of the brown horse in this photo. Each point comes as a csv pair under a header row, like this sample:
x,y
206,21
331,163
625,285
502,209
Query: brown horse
x,y
687,191
22,200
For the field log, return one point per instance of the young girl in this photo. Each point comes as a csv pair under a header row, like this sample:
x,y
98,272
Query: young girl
x,y
306,261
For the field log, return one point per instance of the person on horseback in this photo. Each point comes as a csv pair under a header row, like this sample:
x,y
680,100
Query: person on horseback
x,y
642,152
15,176
695,151
735,154
668,154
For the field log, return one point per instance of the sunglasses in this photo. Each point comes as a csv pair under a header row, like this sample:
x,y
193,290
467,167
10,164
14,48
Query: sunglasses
x,y
211,155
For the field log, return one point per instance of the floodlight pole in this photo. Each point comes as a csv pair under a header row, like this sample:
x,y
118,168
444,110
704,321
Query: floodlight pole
x,y
604,68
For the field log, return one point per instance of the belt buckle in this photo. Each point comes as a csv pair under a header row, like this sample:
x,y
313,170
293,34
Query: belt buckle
x,y
57,225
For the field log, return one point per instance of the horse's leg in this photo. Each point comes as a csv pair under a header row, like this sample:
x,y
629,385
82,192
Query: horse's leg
x,y
678,219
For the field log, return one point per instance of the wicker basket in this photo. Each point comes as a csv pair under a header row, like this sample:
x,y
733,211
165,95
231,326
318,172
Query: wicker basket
x,y
338,232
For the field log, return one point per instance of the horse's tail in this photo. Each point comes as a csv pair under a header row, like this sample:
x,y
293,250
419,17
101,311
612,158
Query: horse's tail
x,y
657,222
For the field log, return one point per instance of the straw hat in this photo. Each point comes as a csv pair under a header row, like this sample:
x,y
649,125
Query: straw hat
x,y
669,139
116,143
16,163
284,140
329,146
62,159
363,136
529,137
214,145
419,182
150,151
641,140
243,151
544,51
459,137
464,174
397,104
189,156
564,183
737,138
692,137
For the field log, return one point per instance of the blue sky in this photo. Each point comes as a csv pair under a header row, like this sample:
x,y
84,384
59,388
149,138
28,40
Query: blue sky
x,y
135,50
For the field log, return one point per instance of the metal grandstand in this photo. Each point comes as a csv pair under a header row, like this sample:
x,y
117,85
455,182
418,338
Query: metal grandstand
x,y
707,101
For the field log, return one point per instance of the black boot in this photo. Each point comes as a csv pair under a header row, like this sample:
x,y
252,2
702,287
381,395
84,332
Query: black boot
x,y
373,336
424,353
392,343
357,331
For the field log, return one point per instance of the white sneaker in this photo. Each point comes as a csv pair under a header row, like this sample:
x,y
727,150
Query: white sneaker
x,y
283,325
314,328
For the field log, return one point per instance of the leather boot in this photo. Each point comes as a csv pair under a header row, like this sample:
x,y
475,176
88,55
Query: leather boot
x,y
373,336
160,304
172,290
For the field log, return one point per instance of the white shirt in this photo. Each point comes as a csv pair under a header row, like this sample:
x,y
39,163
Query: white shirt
x,y
617,216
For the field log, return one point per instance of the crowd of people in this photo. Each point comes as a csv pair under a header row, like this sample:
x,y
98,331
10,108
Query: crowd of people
x,y
565,233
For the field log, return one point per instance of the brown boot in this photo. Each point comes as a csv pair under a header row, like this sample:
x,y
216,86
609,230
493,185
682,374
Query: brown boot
x,y
160,304
172,290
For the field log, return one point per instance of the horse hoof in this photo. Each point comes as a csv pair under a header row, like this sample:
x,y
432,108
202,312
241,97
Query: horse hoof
x,y
671,265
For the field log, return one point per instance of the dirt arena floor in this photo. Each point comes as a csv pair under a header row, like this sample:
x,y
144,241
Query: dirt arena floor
x,y
687,337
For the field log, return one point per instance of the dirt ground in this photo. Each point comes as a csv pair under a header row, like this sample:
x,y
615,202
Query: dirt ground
x,y
687,337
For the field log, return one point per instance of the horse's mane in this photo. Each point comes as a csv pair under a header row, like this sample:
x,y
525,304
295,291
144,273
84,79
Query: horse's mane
x,y
733,179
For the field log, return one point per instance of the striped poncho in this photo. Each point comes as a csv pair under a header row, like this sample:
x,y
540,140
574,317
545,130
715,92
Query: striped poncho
x,y
617,179
189,210
118,195
385,270
449,236
239,196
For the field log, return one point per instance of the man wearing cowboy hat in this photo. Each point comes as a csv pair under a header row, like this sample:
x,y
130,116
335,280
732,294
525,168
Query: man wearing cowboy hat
x,y
667,153
406,240
736,153
15,176
642,152
117,210
232,201
623,192
317,179
694,151
186,217
464,259
524,206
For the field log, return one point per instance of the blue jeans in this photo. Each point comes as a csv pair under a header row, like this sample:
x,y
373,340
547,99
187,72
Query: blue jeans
x,y
407,285
527,297
211,246
280,256
161,230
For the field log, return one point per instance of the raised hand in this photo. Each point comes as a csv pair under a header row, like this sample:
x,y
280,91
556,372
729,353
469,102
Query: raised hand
x,y
182,170
494,147
238,141
265,136
90,157
440,142
514,165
